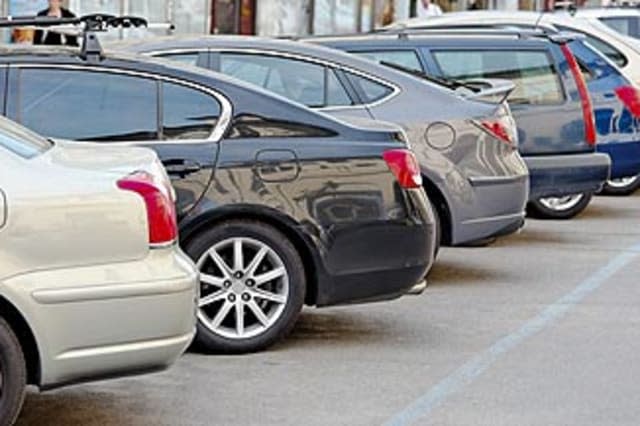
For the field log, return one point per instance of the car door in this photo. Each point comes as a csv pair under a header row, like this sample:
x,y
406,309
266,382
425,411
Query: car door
x,y
180,122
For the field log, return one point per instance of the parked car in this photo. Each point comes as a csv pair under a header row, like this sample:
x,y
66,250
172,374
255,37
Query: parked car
x,y
613,95
624,20
92,282
551,104
467,149
278,205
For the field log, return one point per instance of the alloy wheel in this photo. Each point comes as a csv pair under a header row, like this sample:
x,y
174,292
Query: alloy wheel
x,y
244,288
561,203
622,182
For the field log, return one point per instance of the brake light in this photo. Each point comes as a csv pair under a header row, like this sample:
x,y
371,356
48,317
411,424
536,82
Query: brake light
x,y
630,97
498,130
161,211
404,166
587,110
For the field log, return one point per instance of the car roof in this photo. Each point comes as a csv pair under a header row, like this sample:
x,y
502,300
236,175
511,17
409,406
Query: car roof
x,y
283,46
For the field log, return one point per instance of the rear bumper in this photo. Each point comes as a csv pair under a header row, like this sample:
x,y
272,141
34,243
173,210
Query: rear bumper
x,y
558,175
109,320
625,158
498,208
380,261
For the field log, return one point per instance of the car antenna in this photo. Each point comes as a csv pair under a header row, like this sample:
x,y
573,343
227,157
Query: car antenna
x,y
91,49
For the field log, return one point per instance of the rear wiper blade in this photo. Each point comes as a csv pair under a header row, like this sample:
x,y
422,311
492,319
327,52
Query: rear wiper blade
x,y
446,82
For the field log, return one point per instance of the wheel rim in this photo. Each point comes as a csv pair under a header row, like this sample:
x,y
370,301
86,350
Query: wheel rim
x,y
561,203
244,288
622,182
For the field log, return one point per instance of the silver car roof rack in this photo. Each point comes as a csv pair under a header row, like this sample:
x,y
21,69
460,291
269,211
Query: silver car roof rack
x,y
89,25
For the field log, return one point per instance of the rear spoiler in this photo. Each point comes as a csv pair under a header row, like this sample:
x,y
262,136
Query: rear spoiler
x,y
491,90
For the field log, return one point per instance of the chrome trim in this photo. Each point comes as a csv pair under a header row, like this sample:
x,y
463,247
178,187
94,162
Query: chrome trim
x,y
418,288
299,57
226,109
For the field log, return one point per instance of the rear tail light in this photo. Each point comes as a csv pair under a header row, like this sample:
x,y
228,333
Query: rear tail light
x,y
587,110
630,97
161,211
404,166
498,130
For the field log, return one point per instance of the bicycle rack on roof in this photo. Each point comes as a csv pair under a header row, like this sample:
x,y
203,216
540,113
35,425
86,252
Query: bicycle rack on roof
x,y
89,26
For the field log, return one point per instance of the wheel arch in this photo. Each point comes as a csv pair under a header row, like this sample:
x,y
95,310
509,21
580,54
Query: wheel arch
x,y
439,202
25,336
280,221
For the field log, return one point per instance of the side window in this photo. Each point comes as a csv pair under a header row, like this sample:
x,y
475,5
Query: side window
x,y
532,72
87,105
406,58
187,113
606,49
310,84
370,90
183,58
253,126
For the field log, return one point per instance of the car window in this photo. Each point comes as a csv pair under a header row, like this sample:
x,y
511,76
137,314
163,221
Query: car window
x,y
187,113
627,25
310,84
21,141
184,58
606,49
253,126
406,58
532,72
87,105
370,90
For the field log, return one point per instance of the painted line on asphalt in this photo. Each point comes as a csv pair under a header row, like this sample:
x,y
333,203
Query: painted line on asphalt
x,y
472,369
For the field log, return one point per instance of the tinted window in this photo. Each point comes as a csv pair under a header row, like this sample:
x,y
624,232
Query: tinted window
x,y
627,25
310,84
20,140
406,58
185,58
370,90
90,106
605,48
252,126
187,113
531,71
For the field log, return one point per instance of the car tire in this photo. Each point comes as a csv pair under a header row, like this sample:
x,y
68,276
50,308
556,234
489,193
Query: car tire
x,y
624,186
13,375
268,310
437,223
559,207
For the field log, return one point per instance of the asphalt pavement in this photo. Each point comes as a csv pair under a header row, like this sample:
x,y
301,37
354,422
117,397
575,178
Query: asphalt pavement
x,y
539,328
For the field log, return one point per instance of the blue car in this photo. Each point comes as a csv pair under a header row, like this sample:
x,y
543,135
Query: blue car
x,y
551,104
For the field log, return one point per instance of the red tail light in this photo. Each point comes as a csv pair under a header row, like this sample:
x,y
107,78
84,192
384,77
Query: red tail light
x,y
587,110
404,166
498,130
161,211
630,97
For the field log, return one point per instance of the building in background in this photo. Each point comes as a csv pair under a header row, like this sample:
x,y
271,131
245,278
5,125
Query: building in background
x,y
269,17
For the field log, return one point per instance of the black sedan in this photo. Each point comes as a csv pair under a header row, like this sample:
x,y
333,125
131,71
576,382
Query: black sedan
x,y
278,205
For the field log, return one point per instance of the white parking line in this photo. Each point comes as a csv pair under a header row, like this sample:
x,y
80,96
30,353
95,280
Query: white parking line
x,y
471,370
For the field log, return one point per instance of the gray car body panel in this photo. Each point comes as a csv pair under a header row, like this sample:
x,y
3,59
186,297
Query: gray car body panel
x,y
482,182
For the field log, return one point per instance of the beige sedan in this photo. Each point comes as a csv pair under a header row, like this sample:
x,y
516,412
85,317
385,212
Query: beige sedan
x,y
92,282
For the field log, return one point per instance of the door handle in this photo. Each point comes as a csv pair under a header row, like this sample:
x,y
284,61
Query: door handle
x,y
181,168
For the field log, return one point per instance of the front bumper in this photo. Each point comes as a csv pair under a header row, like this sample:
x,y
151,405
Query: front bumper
x,y
383,260
558,175
109,320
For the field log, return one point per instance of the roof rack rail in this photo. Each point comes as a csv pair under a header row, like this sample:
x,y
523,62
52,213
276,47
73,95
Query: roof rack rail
x,y
471,29
90,24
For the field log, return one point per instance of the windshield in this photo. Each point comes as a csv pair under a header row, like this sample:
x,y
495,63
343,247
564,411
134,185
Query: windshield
x,y
20,140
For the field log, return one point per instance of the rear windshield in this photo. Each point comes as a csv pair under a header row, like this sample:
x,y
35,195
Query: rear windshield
x,y
20,140
532,72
